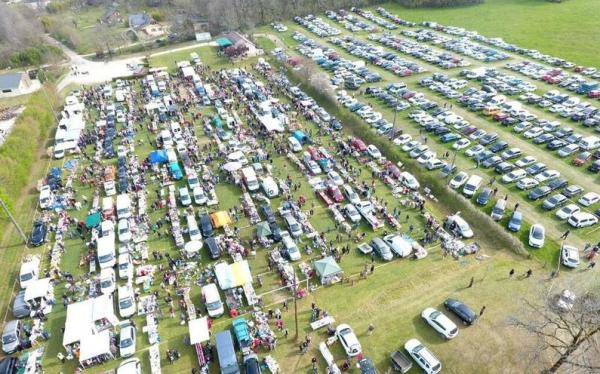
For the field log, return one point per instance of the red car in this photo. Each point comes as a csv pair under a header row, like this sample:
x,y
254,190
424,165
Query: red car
x,y
314,153
359,145
594,94
582,158
335,193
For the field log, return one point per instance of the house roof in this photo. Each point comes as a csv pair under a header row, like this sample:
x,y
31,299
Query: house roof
x,y
139,20
10,81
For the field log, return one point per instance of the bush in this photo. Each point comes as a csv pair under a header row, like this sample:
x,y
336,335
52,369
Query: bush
x,y
157,15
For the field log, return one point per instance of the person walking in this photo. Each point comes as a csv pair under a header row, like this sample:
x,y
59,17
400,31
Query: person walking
x,y
529,273
471,282
372,269
565,235
370,329
591,265
481,311
511,273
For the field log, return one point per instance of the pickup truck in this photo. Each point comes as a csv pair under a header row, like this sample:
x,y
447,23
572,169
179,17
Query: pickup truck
x,y
400,362
365,209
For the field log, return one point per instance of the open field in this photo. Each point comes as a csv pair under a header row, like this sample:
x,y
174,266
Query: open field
x,y
566,29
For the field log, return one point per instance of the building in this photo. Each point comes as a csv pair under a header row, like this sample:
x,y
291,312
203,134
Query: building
x,y
12,84
137,21
111,17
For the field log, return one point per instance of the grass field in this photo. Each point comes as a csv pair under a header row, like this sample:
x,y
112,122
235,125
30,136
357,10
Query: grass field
x,y
568,29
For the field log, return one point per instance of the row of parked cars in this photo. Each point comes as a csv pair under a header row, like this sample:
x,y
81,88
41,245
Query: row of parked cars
x,y
350,21
317,26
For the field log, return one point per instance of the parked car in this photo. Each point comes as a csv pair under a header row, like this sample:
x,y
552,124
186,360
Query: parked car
x,y
423,357
567,211
539,192
554,201
21,308
440,323
398,245
582,219
569,256
461,310
38,233
458,180
589,198
537,235
348,339
484,197
515,221
127,340
382,249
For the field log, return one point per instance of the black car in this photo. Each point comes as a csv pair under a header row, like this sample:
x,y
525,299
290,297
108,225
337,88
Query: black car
x,y
554,201
461,310
9,365
504,167
539,192
268,212
594,167
484,197
499,146
366,366
38,233
213,248
536,168
206,226
556,144
557,183
544,138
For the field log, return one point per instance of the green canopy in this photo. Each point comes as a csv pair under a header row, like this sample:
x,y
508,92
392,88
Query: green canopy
x,y
224,42
263,229
217,122
326,269
93,220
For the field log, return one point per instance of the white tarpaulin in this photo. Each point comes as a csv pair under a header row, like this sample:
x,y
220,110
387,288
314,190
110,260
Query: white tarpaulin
x,y
94,346
187,71
233,275
199,330
81,317
37,288
232,166
192,247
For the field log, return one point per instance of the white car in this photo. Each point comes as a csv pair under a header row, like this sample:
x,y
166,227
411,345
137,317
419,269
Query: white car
x,y
127,340
352,213
200,197
131,366
423,356
123,230
373,151
184,196
402,139
348,339
475,150
350,194
398,245
458,180
589,198
569,256
335,178
434,163
567,211
537,236
409,180
525,161
410,145
527,183
547,175
533,132
582,219
107,281
126,301
440,323
125,266
514,176
418,150
426,156
314,167
461,143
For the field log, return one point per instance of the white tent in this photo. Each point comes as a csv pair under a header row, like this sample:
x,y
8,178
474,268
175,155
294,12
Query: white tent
x,y
199,330
94,346
192,247
233,275
187,71
82,316
37,288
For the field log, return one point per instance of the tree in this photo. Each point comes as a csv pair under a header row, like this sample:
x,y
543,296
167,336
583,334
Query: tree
x,y
566,330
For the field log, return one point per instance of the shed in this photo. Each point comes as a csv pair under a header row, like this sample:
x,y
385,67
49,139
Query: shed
x,y
327,270
14,83
139,20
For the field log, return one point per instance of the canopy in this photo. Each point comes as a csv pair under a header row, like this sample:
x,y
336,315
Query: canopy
x,y
232,166
220,219
95,345
37,288
192,247
223,42
234,275
327,268
300,136
82,316
199,330
158,157
263,229
93,220
217,121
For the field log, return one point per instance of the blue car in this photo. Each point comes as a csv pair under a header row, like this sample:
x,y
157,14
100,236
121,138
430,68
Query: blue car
x,y
484,197
515,221
449,137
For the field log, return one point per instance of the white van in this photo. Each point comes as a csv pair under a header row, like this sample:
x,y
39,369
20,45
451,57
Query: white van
x,y
107,228
589,143
45,197
167,140
30,271
123,206
106,252
250,178
108,208
472,185
270,187
290,247
193,229
294,144
212,300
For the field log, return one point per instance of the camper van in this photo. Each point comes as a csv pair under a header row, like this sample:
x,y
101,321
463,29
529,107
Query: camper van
x,y
472,185
226,352
165,137
123,206
270,187
30,271
45,197
108,208
212,300
250,179
106,252
107,228
193,229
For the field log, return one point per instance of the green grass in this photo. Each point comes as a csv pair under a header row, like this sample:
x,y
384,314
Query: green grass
x,y
565,30
208,55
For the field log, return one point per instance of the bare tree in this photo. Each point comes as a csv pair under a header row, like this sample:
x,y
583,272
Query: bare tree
x,y
567,331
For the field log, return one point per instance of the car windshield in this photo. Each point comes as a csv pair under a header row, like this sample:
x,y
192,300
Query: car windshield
x,y
26,277
7,339
126,343
125,303
106,283
214,305
537,233
105,258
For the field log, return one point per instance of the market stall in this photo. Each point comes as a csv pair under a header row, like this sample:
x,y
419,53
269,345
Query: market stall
x,y
328,270
95,349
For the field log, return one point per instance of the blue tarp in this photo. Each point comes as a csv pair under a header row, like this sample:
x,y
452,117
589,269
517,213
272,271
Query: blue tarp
x,y
175,171
301,136
158,157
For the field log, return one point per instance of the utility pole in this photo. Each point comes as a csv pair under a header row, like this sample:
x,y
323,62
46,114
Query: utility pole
x,y
395,112
12,219
295,304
